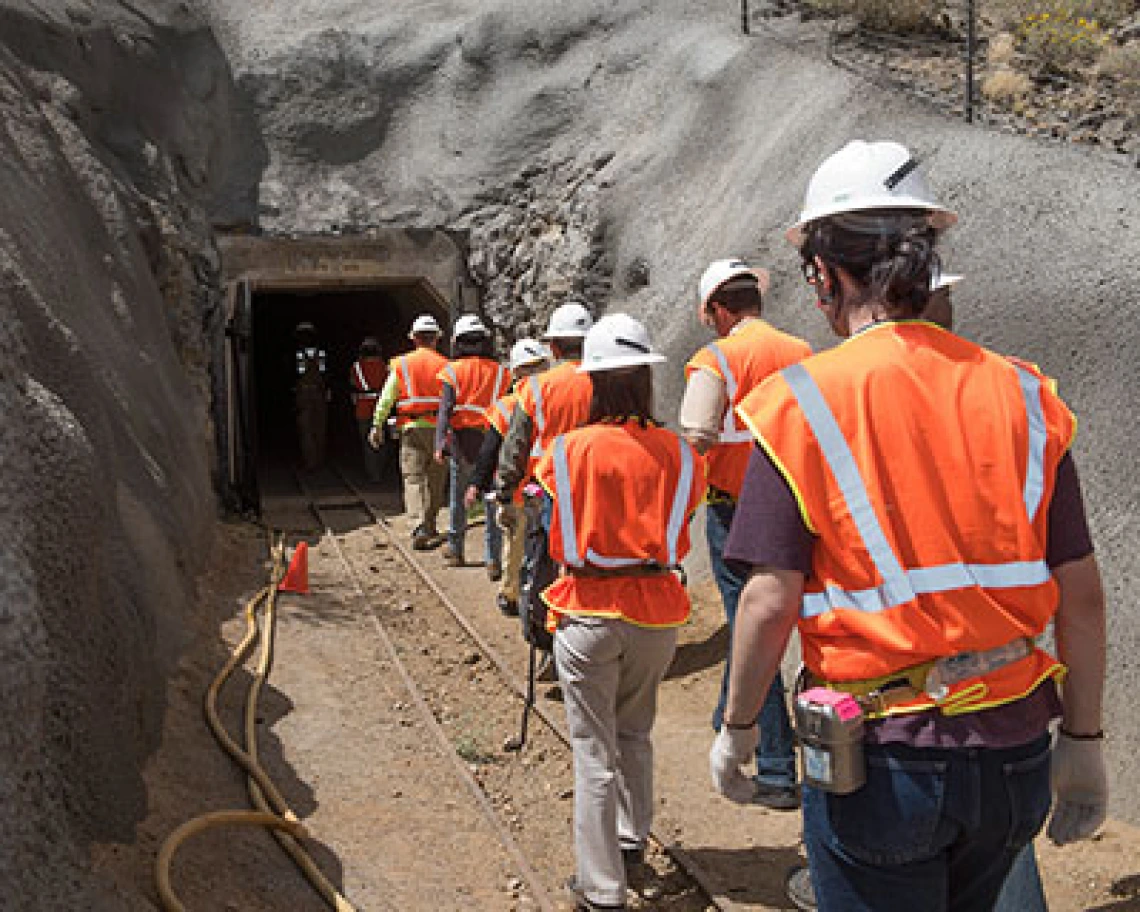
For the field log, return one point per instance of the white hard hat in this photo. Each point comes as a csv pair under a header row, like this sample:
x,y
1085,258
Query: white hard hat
x,y
424,323
721,272
943,280
617,340
868,175
469,325
527,351
569,321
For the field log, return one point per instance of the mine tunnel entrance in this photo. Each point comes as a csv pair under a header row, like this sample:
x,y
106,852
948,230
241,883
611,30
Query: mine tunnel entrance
x,y
266,303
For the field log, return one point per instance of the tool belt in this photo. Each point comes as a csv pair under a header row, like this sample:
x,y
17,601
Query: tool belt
x,y
929,679
592,572
715,495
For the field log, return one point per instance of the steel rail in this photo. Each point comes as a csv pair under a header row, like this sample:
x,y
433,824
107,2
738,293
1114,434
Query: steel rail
x,y
537,890
683,859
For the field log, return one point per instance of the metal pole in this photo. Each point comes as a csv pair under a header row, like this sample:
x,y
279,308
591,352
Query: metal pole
x,y
971,39
744,17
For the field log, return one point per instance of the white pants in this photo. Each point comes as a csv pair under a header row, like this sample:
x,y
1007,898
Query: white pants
x,y
610,671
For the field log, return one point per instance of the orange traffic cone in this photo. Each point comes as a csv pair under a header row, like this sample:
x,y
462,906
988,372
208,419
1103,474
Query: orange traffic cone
x,y
297,576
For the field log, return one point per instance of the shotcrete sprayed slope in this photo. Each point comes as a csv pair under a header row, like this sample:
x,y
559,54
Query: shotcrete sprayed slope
x,y
105,501
714,135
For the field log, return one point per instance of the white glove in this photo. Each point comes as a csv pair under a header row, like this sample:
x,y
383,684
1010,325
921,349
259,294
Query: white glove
x,y
732,749
1080,789
375,438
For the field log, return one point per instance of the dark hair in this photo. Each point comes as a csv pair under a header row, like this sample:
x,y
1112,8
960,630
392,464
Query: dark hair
x,y
623,393
738,300
473,344
890,254
567,346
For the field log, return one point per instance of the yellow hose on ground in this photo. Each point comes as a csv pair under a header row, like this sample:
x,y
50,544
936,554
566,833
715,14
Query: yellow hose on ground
x,y
280,818
170,902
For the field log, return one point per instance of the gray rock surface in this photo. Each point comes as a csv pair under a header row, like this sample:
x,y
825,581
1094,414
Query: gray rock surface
x,y
109,142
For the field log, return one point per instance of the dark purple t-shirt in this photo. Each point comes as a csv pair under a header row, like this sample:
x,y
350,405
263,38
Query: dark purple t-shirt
x,y
768,530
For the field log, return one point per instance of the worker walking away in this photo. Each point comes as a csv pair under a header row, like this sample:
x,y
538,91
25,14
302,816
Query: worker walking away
x,y
472,380
413,389
528,357
366,379
1022,890
549,404
915,507
311,396
623,491
747,350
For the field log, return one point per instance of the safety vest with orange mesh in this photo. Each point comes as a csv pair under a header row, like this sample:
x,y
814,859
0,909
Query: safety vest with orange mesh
x,y
924,465
499,414
419,388
367,377
742,360
623,496
557,401
477,382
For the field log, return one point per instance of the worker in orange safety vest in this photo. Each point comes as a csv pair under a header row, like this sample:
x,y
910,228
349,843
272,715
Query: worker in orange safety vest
x,y
528,357
615,610
549,404
747,350
366,379
472,380
913,506
413,389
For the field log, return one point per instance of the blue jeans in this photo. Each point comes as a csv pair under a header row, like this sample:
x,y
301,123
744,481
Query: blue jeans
x,y
932,829
775,756
457,518
1022,890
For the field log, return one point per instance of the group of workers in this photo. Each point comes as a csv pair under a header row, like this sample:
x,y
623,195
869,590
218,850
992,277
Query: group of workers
x,y
908,500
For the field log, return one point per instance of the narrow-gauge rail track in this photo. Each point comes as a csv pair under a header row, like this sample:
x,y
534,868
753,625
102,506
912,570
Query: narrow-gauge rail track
x,y
469,696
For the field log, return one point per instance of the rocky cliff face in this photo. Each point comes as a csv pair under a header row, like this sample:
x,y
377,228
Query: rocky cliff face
x,y
109,141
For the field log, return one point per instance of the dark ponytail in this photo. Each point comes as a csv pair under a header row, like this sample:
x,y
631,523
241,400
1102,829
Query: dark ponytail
x,y
889,253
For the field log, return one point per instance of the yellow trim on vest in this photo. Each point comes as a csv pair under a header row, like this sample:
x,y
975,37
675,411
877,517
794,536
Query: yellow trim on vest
x,y
782,469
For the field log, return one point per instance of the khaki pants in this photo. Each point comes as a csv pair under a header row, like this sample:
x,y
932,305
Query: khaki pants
x,y
512,564
610,672
423,477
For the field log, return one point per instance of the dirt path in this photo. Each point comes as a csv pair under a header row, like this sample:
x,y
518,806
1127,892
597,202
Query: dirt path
x,y
393,828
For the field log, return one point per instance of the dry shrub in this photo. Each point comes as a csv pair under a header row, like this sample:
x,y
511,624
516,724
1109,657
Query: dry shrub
x,y
1001,50
1062,39
893,16
1005,86
1008,15
1121,62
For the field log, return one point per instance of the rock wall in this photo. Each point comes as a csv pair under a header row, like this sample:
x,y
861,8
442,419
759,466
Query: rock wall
x,y
109,143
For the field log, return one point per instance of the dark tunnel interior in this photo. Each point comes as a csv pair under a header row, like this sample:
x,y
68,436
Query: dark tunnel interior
x,y
343,317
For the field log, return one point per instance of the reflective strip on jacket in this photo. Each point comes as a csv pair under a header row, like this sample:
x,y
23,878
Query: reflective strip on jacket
x,y
367,378
477,382
499,414
557,401
623,497
743,359
419,385
924,465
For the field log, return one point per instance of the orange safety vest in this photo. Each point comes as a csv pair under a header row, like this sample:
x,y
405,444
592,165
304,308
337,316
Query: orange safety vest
x,y
499,414
924,465
623,496
477,382
419,387
367,378
742,360
557,401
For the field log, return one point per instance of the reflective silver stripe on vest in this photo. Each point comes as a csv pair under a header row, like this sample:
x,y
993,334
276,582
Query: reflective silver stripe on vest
x,y
365,392
680,501
501,409
730,431
539,419
899,586
1035,465
569,530
497,391
449,370
565,494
